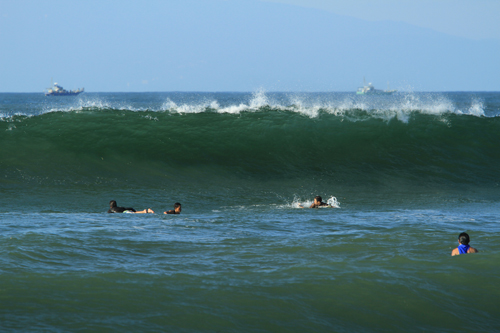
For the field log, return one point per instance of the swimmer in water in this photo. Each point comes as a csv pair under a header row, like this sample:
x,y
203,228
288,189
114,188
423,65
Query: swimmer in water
x,y
463,245
113,208
177,209
318,202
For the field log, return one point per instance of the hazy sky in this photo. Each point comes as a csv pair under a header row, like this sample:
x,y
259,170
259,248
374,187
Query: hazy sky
x,y
476,19
246,45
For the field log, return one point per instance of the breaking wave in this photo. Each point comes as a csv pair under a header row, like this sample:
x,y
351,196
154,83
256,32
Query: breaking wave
x,y
399,106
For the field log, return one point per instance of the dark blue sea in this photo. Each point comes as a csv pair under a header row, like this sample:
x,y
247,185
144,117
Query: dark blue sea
x,y
408,171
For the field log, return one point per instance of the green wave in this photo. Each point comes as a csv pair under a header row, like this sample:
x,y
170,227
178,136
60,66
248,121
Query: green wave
x,y
352,147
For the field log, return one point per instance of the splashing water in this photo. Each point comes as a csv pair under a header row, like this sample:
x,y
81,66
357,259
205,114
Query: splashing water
x,y
297,203
333,202
401,106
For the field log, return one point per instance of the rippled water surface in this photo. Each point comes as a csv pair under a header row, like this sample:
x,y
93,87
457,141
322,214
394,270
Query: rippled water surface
x,y
410,172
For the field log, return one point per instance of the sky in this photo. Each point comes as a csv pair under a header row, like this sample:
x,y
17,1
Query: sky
x,y
478,19
249,45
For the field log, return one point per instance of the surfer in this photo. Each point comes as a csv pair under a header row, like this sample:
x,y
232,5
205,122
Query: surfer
x,y
463,245
113,208
318,202
177,209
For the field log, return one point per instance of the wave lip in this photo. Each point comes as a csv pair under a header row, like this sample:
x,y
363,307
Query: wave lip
x,y
399,106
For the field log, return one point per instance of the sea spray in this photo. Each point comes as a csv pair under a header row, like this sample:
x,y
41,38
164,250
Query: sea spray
x,y
399,106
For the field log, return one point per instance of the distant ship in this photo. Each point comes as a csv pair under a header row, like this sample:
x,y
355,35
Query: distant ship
x,y
370,90
57,90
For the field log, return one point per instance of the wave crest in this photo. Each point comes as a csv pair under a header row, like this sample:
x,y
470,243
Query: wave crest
x,y
399,106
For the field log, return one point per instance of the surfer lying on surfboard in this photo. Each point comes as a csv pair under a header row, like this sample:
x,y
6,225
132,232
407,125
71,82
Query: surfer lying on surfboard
x,y
113,208
177,209
318,202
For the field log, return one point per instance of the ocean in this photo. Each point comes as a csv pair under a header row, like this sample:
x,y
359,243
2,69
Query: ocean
x,y
410,171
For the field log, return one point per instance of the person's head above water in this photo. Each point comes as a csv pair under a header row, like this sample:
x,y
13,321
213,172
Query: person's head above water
x,y
318,199
177,209
112,204
464,238
463,245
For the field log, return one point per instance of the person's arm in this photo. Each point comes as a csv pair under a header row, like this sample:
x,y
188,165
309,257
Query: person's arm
x,y
472,250
455,252
313,205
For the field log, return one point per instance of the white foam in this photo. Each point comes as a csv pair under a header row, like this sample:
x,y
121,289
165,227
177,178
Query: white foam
x,y
333,202
299,106
477,108
259,99
400,106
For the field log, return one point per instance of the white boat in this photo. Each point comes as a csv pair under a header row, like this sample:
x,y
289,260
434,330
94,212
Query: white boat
x,y
57,90
370,90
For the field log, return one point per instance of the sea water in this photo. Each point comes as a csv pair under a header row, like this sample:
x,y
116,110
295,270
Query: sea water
x,y
409,171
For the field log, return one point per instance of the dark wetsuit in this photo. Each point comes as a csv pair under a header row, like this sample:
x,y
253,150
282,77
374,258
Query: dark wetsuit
x,y
172,211
322,204
120,210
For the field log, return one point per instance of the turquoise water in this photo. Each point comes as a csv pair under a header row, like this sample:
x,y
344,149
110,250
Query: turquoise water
x,y
410,172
